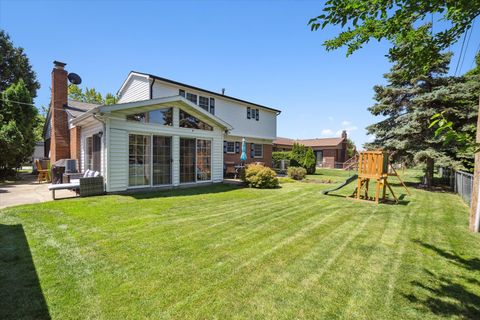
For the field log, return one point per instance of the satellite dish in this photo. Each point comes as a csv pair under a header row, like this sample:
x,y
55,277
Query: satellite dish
x,y
74,78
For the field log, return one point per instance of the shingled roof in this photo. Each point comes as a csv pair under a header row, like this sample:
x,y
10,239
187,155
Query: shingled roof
x,y
76,108
319,142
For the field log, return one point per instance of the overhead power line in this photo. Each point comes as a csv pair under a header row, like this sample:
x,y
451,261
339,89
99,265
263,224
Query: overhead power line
x,y
19,102
460,55
466,46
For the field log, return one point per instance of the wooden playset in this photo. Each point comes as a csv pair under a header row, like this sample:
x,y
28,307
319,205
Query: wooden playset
x,y
375,166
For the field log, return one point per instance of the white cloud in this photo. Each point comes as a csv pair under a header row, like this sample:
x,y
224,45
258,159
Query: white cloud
x,y
330,118
326,132
345,123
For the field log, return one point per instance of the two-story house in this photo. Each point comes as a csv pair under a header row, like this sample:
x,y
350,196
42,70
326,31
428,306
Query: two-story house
x,y
160,133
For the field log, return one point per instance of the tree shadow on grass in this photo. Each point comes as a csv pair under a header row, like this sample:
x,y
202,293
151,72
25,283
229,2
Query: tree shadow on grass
x,y
446,296
21,296
149,193
470,264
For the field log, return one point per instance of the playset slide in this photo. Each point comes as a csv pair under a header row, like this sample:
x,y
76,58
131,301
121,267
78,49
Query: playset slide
x,y
343,184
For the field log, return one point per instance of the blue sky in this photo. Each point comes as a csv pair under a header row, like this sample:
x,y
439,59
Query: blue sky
x,y
260,51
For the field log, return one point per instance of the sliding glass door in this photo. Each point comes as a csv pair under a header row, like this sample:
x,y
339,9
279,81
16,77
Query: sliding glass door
x,y
187,160
161,160
204,160
139,151
150,160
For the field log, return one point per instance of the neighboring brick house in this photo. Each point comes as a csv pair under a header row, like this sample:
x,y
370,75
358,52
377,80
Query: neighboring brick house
x,y
329,152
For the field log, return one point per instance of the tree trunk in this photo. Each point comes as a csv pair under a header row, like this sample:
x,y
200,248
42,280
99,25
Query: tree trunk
x,y
474,208
429,172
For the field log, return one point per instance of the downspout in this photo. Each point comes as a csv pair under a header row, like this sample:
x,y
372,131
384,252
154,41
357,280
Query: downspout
x,y
151,87
104,141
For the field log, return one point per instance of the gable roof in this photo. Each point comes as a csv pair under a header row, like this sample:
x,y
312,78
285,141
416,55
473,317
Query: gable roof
x,y
196,88
152,102
319,142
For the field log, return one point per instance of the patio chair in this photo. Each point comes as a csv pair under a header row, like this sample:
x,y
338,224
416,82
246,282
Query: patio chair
x,y
43,174
230,169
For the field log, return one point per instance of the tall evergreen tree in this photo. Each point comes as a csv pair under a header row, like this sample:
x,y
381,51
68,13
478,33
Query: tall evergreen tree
x,y
408,107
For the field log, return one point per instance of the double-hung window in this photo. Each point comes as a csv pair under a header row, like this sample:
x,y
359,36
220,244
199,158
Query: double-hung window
x,y
258,150
203,103
230,146
192,97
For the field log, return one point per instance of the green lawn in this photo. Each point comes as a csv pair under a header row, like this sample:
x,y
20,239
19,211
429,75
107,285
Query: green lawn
x,y
329,175
226,252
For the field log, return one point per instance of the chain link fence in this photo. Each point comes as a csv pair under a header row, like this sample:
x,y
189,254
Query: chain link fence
x,y
461,182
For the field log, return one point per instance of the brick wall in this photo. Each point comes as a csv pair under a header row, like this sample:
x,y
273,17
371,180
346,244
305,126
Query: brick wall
x,y
75,145
235,157
60,135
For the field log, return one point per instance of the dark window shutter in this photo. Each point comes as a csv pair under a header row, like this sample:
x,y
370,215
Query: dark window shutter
x,y
257,116
252,150
224,146
249,113
237,147
97,146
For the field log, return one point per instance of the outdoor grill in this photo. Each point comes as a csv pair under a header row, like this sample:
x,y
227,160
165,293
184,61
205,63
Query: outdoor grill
x,y
63,166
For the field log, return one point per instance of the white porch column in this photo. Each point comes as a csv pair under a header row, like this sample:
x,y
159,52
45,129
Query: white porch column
x,y
176,160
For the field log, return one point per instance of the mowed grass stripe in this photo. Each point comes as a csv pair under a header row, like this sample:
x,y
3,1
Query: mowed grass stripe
x,y
226,253
288,237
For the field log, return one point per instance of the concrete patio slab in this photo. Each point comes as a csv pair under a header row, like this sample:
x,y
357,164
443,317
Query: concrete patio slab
x,y
26,191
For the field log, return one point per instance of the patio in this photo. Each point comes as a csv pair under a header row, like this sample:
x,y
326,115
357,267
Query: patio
x,y
26,191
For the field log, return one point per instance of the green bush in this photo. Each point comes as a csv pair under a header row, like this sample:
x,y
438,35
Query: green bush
x,y
297,155
258,176
309,162
277,156
297,173
302,156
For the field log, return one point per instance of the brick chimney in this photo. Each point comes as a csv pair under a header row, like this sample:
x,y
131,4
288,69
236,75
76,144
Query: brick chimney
x,y
60,135
344,134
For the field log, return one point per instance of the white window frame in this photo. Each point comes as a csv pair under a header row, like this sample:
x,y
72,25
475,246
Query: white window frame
x,y
233,151
255,151
151,185
211,159
207,105
88,157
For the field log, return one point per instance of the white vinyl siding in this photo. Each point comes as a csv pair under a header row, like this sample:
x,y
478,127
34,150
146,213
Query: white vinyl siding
x,y
118,163
136,89
119,130
232,112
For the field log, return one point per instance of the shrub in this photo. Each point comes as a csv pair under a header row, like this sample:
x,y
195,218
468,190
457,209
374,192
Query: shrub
x,y
277,156
258,176
297,173
302,156
309,162
297,155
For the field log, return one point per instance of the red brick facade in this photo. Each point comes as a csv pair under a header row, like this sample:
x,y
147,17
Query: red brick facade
x,y
75,144
60,135
235,157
